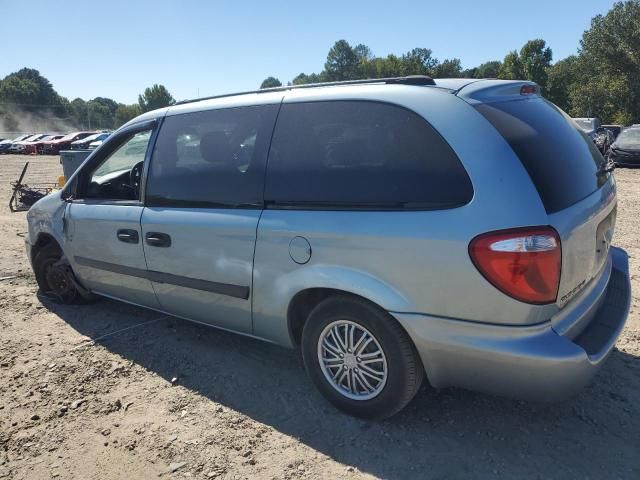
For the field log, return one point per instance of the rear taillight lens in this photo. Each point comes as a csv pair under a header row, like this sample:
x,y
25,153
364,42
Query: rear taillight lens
x,y
528,90
524,263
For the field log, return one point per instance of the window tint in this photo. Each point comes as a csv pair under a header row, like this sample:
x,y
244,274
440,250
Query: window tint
x,y
112,177
213,158
361,154
560,158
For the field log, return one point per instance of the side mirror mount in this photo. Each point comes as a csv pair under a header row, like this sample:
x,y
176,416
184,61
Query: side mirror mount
x,y
69,190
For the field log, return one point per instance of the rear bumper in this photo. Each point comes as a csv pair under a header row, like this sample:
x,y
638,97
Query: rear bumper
x,y
533,362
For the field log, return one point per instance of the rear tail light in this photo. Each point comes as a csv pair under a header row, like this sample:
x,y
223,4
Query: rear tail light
x,y
528,90
524,263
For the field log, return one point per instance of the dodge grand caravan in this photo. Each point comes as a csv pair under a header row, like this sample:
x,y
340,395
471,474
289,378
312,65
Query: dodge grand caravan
x,y
393,229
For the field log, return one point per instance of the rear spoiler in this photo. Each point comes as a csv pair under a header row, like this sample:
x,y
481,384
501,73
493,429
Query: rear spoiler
x,y
487,91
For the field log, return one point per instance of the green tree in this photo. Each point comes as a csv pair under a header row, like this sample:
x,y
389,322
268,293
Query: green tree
x,y
101,112
270,82
535,58
19,91
418,61
531,63
27,87
303,78
362,52
342,62
448,69
561,77
488,69
124,113
511,68
154,97
609,66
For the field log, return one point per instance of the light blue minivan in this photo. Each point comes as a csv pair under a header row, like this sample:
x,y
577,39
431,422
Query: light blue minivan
x,y
392,228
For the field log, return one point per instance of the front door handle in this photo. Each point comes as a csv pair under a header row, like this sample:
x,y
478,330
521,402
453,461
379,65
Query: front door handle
x,y
158,239
128,236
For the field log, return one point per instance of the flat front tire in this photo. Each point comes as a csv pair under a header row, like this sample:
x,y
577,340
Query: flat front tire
x,y
360,358
55,278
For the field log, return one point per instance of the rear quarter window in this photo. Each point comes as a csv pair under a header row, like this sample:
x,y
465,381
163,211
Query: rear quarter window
x,y
560,158
357,154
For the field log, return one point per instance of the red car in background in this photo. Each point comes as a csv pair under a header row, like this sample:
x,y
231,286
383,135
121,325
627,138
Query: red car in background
x,y
53,147
37,146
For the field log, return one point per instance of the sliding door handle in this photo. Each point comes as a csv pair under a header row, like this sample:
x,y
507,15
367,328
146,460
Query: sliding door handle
x,y
128,236
157,239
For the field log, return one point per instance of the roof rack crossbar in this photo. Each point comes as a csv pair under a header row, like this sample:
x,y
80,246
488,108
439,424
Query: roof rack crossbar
x,y
419,80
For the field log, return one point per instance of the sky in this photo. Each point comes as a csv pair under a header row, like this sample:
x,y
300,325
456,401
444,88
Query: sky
x,y
118,48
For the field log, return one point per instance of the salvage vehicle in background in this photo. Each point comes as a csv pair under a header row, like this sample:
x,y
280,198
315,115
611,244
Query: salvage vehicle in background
x,y
53,147
603,138
614,129
6,144
96,144
36,147
625,151
84,143
588,124
19,147
394,229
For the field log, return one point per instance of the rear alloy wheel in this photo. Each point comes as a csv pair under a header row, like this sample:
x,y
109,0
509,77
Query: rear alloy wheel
x,y
360,358
352,360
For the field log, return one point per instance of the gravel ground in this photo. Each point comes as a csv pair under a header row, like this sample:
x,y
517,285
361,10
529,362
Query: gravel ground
x,y
173,399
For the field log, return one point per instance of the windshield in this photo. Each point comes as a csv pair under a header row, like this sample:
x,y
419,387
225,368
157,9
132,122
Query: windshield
x,y
629,138
90,138
70,136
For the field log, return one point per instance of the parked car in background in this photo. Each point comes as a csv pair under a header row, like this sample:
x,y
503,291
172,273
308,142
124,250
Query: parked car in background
x,y
6,144
588,125
396,230
603,138
84,143
614,129
53,147
19,147
625,151
36,147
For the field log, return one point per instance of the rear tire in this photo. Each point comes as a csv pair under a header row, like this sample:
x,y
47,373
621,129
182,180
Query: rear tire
x,y
55,278
375,381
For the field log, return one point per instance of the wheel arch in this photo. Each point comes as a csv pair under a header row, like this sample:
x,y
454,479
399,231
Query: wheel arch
x,y
43,239
304,301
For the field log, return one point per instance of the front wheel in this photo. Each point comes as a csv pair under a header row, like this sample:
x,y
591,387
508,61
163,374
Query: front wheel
x,y
360,358
55,278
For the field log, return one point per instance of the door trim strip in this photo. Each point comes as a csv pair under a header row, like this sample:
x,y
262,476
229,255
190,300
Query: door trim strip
x,y
236,291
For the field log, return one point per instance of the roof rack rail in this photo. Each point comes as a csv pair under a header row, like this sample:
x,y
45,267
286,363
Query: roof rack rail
x,y
420,80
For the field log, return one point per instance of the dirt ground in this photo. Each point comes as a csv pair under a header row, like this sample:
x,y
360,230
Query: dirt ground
x,y
157,396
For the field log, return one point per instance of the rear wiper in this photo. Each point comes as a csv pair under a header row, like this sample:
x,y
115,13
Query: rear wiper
x,y
606,167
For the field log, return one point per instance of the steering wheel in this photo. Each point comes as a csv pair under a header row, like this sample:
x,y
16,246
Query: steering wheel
x,y
135,176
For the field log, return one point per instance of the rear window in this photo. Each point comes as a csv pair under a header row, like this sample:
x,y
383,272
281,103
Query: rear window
x,y
560,158
357,154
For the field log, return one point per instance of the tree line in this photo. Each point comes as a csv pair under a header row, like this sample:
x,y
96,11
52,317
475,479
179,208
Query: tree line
x,y
28,93
602,79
